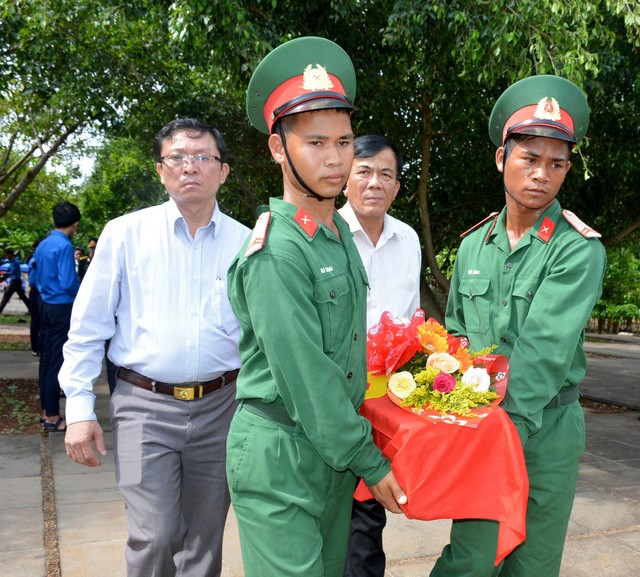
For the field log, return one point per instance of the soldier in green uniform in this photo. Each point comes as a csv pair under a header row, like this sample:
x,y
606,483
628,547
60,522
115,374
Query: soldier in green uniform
x,y
298,289
527,279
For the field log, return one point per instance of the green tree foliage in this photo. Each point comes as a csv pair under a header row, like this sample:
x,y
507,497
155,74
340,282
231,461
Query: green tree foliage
x,y
65,66
124,179
448,63
428,74
609,198
30,219
622,277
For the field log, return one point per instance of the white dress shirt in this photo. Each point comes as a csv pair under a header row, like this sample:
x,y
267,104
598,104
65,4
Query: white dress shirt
x,y
392,265
168,293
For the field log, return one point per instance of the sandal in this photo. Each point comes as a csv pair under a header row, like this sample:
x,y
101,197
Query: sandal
x,y
55,427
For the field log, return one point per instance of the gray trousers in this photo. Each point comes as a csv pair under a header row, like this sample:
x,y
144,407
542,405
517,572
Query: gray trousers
x,y
170,460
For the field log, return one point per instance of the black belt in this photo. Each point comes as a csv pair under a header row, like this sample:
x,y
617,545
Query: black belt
x,y
182,391
269,411
565,397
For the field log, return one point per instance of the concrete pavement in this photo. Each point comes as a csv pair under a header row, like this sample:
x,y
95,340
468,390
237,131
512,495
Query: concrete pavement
x,y
42,492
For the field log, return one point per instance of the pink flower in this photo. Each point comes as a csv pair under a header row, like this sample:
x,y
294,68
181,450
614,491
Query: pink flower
x,y
444,383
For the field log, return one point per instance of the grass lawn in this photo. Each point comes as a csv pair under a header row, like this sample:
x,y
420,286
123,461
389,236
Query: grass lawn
x,y
14,319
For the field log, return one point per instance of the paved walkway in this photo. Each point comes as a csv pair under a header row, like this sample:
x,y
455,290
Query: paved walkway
x,y
42,492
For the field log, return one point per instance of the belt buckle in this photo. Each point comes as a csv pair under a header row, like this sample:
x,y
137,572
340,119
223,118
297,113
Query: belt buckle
x,y
187,393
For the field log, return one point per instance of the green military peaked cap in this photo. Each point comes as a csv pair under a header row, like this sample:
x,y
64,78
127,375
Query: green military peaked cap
x,y
307,73
543,105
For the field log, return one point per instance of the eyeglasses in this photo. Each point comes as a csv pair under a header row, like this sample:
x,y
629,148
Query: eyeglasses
x,y
176,160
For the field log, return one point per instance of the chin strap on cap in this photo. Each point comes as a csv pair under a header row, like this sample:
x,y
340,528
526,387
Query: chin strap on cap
x,y
293,168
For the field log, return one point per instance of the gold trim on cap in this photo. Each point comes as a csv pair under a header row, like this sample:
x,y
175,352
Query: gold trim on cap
x,y
548,109
315,79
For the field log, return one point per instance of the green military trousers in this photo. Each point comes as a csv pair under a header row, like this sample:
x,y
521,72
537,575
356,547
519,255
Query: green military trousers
x,y
293,510
552,456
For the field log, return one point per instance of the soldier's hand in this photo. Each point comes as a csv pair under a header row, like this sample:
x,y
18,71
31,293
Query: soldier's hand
x,y
80,440
389,493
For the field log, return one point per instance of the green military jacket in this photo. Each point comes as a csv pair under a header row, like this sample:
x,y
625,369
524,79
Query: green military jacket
x,y
300,299
533,302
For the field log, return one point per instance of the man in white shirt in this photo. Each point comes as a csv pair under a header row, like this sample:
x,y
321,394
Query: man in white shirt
x,y
162,273
390,251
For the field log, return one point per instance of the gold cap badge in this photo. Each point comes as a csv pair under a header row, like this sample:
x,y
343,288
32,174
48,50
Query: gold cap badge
x,y
315,79
548,109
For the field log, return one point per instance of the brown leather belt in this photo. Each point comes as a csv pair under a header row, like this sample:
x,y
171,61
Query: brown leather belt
x,y
183,391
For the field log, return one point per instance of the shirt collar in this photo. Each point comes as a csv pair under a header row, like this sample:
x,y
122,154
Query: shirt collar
x,y
389,226
552,212
175,216
352,220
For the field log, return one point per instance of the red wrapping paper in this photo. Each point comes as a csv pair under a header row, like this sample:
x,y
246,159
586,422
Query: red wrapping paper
x,y
454,472
392,342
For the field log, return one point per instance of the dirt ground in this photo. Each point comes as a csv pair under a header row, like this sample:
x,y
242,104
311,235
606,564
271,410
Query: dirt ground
x,y
19,407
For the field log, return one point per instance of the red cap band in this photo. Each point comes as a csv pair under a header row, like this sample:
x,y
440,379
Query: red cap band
x,y
292,89
527,116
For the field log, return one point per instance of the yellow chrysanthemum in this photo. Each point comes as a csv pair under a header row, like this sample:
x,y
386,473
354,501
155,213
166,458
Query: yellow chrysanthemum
x,y
434,327
431,341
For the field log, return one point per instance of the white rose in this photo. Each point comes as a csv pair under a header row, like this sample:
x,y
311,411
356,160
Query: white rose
x,y
478,378
443,362
402,384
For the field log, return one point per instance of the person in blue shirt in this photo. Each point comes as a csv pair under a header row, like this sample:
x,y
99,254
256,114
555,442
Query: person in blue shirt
x,y
15,281
34,303
58,284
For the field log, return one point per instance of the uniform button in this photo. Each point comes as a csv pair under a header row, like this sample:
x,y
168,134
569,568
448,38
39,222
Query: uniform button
x,y
332,294
530,294
503,340
356,337
349,375
509,265
504,303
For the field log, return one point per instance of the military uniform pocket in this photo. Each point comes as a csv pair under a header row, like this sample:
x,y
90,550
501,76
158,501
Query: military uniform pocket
x,y
524,289
330,294
475,302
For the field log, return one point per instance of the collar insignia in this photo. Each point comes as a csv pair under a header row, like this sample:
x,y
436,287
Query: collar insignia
x,y
316,79
548,109
546,229
306,222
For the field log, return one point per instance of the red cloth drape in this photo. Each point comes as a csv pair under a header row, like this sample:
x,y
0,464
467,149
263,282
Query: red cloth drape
x,y
453,472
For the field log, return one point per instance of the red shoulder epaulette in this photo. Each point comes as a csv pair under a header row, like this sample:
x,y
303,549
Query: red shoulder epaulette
x,y
478,225
259,234
584,229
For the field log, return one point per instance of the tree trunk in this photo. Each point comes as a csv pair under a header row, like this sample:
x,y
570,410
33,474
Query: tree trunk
x,y
30,175
423,195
